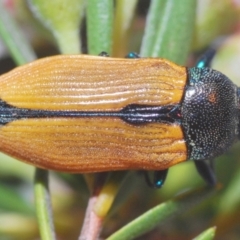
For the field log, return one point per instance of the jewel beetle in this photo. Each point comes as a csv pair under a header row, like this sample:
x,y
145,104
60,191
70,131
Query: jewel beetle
x,y
81,113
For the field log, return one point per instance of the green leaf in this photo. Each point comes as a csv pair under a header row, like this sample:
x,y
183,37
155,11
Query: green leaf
x,y
171,26
99,26
63,19
43,205
208,234
154,15
19,47
230,200
162,212
12,201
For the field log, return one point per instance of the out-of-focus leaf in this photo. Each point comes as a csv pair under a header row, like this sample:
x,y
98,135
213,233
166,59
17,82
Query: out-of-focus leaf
x,y
63,19
208,234
14,39
159,214
12,201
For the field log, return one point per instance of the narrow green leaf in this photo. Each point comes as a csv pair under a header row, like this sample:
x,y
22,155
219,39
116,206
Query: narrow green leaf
x,y
14,39
174,31
153,21
99,26
208,234
159,214
43,205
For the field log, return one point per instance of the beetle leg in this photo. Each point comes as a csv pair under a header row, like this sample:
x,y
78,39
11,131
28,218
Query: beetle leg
x,y
206,59
206,171
159,178
103,54
132,55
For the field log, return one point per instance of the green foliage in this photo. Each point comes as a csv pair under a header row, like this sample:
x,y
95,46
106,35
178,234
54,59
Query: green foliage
x,y
170,32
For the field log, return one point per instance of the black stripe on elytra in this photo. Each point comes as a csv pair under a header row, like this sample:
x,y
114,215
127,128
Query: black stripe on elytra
x,y
133,114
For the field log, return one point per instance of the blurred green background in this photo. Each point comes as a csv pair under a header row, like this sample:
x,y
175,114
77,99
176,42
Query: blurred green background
x,y
50,34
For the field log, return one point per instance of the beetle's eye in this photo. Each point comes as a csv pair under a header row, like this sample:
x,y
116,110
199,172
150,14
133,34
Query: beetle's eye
x,y
190,92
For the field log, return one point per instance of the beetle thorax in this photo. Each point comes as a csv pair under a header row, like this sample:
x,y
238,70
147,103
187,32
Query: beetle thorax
x,y
210,113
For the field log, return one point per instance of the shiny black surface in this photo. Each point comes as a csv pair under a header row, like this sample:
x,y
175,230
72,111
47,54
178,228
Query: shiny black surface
x,y
133,114
210,112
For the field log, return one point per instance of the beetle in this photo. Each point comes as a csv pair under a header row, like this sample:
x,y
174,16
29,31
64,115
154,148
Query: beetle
x,y
82,113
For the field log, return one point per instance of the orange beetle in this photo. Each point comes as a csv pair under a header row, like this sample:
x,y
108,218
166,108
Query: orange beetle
x,y
85,113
